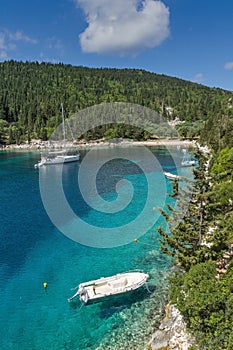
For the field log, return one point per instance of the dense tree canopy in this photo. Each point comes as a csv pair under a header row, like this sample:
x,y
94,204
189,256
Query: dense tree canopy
x,y
206,304
31,94
202,291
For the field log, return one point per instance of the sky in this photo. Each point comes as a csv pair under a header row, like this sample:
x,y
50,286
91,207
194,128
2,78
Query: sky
x,y
187,39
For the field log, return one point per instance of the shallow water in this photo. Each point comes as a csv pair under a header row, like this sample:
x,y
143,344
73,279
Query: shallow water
x,y
33,250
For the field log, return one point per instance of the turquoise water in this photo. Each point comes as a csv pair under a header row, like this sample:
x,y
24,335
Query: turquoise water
x,y
33,250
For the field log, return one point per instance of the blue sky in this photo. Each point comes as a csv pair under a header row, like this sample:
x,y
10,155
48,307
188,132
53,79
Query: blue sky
x,y
188,39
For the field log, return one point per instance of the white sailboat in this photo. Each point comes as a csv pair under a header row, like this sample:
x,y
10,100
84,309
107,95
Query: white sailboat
x,y
107,287
60,156
187,161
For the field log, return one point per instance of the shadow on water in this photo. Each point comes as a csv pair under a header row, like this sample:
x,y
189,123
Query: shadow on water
x,y
118,303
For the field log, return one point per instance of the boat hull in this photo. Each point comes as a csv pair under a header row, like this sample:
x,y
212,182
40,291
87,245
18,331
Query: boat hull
x,y
171,176
117,298
188,163
61,160
57,160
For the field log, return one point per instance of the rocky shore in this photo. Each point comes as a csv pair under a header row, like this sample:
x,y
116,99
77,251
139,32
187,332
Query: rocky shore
x,y
40,145
171,333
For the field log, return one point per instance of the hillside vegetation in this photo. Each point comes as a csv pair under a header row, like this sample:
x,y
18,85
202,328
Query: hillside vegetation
x,y
31,95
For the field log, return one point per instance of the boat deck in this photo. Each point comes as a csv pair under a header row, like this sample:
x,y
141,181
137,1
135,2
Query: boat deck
x,y
95,290
107,287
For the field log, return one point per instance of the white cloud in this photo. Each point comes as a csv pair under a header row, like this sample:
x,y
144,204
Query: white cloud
x,y
19,35
123,26
228,65
8,41
199,78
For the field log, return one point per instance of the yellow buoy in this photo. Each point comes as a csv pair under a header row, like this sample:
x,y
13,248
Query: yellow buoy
x,y
45,285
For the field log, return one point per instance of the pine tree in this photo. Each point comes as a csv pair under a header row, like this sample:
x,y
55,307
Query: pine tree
x,y
185,237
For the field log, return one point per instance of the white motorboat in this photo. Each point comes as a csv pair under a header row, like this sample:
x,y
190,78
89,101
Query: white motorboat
x,y
106,287
171,176
59,156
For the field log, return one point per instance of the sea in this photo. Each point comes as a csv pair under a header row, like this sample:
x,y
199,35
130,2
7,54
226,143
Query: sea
x,y
35,249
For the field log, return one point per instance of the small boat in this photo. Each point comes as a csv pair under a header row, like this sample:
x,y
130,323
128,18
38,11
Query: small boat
x,y
188,162
106,287
171,176
59,156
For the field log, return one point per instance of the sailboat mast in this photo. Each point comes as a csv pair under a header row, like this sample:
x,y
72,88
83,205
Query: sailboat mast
x,y
63,125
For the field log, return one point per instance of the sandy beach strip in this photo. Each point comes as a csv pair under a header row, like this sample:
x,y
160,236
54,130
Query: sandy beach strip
x,y
36,145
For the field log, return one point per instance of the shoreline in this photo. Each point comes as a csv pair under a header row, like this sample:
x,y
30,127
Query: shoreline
x,y
171,332
37,145
167,333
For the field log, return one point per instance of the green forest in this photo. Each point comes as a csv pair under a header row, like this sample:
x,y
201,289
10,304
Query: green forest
x,y
201,244
31,94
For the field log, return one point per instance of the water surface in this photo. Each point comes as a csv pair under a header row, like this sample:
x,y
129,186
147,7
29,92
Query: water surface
x,y
33,250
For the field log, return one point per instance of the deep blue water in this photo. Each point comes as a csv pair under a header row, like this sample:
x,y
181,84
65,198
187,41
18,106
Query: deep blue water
x,y
33,250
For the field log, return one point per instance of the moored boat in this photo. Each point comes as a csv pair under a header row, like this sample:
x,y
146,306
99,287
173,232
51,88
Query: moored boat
x,y
59,156
56,157
171,176
107,287
188,162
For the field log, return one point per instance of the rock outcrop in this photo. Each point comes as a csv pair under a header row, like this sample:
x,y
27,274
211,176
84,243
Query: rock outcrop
x,y
171,333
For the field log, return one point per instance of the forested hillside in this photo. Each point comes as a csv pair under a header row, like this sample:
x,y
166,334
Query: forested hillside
x,y
31,94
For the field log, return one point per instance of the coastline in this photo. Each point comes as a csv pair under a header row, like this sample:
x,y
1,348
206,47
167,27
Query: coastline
x,y
171,332
38,145
165,329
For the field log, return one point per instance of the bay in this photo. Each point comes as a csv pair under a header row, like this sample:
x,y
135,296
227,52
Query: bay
x,y
33,250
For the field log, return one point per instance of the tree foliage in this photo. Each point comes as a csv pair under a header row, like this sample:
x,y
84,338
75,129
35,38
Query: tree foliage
x,y
184,240
31,94
197,243
206,304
